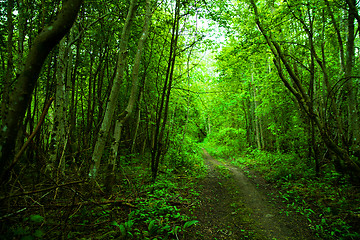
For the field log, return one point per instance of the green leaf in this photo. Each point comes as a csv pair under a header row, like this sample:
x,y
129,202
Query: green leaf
x,y
177,229
190,223
114,223
36,218
151,225
122,230
129,224
38,233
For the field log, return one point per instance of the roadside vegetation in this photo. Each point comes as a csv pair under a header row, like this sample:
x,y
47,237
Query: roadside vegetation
x,y
330,202
105,105
136,209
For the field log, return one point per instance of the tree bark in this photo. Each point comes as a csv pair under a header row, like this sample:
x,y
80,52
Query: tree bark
x,y
59,133
115,90
9,63
138,118
304,99
134,94
353,137
258,134
160,128
21,96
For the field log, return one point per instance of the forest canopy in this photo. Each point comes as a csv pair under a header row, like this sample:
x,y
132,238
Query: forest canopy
x,y
91,87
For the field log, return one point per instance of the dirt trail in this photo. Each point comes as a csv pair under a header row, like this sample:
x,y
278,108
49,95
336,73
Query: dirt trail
x,y
232,207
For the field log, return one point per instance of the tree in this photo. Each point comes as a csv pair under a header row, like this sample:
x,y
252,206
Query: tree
x,y
165,97
135,88
111,105
297,89
21,95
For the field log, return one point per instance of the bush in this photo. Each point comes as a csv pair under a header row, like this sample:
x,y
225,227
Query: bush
x,y
228,142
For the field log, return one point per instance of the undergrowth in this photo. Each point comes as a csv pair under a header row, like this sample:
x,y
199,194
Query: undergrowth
x,y
137,208
330,203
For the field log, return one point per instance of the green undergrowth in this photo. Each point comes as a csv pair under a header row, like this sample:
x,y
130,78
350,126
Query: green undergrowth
x,y
223,170
330,203
225,144
136,208
161,212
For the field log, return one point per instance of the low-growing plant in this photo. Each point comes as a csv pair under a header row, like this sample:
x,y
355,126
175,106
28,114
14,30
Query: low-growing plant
x,y
224,171
30,228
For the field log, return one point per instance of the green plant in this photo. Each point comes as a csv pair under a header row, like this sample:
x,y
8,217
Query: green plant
x,y
224,171
124,228
153,228
29,230
189,224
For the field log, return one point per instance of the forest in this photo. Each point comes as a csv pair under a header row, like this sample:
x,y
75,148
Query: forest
x,y
160,119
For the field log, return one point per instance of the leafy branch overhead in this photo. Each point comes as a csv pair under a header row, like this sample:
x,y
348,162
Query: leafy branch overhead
x,y
109,111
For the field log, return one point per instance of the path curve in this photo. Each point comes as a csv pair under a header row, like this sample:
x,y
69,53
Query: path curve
x,y
232,207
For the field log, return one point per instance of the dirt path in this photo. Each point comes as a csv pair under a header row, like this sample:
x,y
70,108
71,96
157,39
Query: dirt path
x,y
232,207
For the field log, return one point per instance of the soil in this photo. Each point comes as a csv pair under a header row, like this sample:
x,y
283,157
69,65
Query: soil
x,y
234,206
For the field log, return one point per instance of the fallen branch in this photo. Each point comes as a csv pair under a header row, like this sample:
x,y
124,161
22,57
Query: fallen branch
x,y
86,203
42,190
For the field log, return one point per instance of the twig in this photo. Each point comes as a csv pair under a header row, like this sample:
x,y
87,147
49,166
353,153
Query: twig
x,y
42,190
87,203
11,214
26,144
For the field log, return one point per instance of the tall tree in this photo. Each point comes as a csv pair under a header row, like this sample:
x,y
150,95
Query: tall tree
x,y
9,65
297,89
24,86
165,97
135,88
115,90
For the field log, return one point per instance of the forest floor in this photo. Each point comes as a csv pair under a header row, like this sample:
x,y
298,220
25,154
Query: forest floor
x,y
234,206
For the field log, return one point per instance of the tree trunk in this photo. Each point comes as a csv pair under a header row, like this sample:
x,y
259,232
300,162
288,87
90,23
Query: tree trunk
x,y
138,118
134,94
160,128
58,134
21,27
20,97
353,119
115,90
9,63
256,117
304,99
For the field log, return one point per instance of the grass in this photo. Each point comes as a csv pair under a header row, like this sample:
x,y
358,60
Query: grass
x,y
330,203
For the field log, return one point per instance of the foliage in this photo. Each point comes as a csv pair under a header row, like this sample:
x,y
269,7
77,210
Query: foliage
x,y
236,97
155,216
325,202
226,142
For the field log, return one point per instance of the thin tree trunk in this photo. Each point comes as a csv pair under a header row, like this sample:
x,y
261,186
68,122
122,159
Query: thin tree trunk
x,y
209,124
256,117
115,90
353,119
20,97
303,99
134,94
59,133
73,105
9,63
21,27
138,118
160,128
188,83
